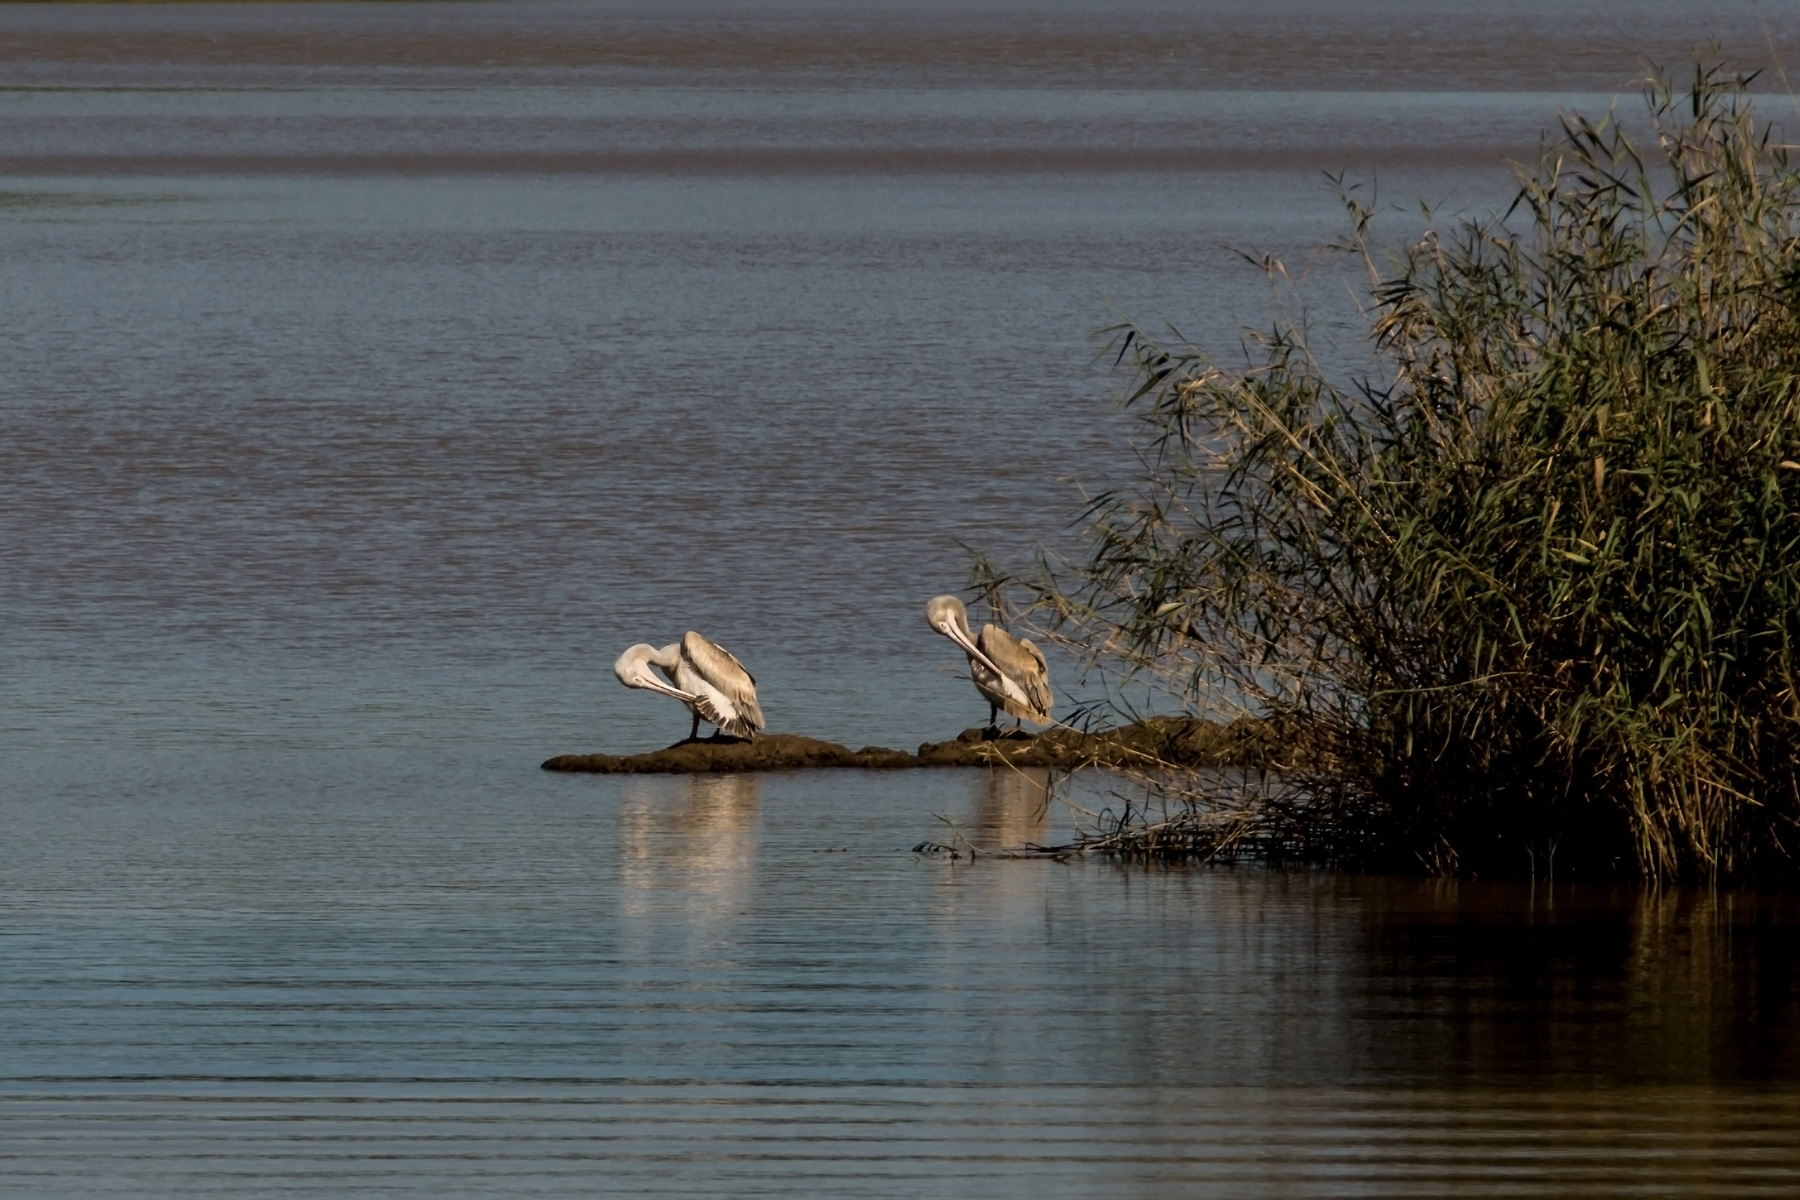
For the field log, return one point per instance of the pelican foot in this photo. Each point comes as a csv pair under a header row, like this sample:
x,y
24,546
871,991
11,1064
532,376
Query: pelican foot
x,y
715,738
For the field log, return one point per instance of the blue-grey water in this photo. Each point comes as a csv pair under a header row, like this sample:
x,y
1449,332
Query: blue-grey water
x,y
371,375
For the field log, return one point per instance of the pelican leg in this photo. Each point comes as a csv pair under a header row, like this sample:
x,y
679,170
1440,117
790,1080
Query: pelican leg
x,y
993,726
694,733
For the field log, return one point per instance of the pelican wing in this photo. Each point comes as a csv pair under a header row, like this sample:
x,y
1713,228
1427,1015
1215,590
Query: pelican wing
x,y
1025,670
727,676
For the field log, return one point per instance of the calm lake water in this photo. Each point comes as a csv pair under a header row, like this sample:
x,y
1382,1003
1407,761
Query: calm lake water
x,y
373,374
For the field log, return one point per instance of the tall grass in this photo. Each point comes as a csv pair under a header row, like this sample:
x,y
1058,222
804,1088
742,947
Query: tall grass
x,y
1527,596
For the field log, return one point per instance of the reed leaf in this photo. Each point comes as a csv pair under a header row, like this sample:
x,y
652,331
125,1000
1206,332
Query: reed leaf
x,y
1525,594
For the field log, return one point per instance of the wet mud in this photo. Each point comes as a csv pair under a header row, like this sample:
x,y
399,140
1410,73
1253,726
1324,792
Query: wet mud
x,y
1163,741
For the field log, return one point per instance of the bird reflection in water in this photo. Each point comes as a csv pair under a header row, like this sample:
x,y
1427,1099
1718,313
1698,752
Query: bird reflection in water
x,y
1008,807
689,843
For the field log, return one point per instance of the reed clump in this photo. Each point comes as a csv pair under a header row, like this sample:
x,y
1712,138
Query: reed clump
x,y
1526,595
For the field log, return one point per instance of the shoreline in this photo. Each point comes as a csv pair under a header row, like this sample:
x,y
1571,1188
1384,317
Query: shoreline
x,y
1155,742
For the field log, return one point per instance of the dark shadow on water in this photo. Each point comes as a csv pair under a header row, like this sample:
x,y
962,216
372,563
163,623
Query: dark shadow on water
x,y
1512,982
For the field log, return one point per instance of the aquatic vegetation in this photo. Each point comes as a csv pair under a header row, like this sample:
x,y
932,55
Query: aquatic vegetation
x,y
1524,597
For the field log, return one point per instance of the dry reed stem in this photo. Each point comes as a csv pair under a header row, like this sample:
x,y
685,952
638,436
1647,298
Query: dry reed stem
x,y
1528,591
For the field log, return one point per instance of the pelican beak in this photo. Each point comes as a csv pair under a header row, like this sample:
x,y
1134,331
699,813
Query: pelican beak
x,y
651,683
962,639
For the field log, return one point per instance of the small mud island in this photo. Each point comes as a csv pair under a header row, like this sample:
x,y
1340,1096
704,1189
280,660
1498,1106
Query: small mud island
x,y
1175,741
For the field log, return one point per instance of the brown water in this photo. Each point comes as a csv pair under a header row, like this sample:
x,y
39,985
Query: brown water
x,y
373,374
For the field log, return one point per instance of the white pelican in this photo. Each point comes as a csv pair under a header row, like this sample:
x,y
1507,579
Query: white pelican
x,y
706,678
1009,672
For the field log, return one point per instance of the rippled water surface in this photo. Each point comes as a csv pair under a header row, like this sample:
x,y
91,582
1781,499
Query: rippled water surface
x,y
373,972
370,375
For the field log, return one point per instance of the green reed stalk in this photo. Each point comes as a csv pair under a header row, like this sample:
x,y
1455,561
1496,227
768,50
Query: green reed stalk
x,y
1527,596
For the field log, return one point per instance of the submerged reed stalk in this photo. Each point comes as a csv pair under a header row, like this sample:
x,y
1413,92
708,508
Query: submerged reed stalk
x,y
1529,594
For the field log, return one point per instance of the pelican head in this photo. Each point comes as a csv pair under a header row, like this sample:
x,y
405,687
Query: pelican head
x,y
947,615
633,670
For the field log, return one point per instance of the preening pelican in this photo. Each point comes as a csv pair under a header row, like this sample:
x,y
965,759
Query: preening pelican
x,y
706,678
1009,672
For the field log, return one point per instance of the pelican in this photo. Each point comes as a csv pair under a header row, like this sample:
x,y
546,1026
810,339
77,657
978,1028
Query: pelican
x,y
1008,671
706,678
